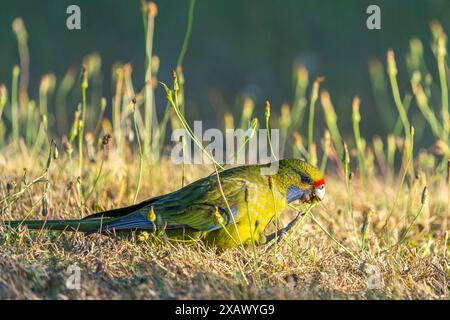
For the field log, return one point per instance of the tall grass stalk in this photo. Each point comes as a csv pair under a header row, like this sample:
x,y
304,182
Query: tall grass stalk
x,y
186,126
378,149
301,78
298,149
267,114
365,227
331,120
402,181
187,35
141,155
167,114
419,212
297,224
356,119
228,207
326,145
3,100
19,29
117,127
441,52
347,177
312,105
30,133
84,86
62,93
93,63
97,178
150,11
343,247
251,227
247,111
285,122
392,73
427,111
270,181
46,87
250,134
15,105
415,59
183,168
398,127
445,224
380,93
390,155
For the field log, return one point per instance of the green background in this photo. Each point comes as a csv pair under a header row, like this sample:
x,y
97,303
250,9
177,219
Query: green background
x,y
237,47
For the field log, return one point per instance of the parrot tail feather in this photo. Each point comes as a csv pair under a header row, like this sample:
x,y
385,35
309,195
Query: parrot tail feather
x,y
69,225
106,221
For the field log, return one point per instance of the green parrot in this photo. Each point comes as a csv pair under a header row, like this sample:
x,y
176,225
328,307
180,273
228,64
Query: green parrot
x,y
225,212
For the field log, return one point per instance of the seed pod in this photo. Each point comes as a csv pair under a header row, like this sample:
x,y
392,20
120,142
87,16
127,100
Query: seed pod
x,y
55,153
392,66
176,86
152,215
152,9
297,139
84,75
316,86
143,236
267,109
68,147
106,139
11,185
424,195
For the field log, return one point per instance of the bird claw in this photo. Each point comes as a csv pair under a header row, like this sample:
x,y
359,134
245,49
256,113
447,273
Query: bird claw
x,y
278,235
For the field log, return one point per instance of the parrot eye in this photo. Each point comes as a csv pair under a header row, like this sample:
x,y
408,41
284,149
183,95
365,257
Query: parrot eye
x,y
306,180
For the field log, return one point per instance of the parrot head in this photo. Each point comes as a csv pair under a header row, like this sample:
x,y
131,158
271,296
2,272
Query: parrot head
x,y
302,181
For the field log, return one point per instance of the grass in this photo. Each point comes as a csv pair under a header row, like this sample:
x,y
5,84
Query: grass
x,y
386,207
308,264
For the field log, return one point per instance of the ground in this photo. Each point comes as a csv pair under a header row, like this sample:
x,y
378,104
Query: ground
x,y
307,264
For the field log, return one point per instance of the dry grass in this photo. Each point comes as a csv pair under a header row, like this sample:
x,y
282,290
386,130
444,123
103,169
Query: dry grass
x,y
308,264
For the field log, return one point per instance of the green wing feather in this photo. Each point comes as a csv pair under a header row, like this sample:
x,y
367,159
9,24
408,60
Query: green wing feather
x,y
191,207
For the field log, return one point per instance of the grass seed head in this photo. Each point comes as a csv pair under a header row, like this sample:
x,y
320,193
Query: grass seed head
x,y
152,214
152,9
424,197
267,109
392,66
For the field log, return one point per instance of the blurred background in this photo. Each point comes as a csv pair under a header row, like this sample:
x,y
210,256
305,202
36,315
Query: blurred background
x,y
237,48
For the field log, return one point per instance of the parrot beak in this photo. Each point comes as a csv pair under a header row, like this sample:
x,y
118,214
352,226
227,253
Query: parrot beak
x,y
319,192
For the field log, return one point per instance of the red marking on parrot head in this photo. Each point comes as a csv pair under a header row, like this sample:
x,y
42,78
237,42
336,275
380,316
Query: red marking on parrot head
x,y
319,183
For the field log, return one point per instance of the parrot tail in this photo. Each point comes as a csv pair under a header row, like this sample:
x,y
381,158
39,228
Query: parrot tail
x,y
69,225
120,218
